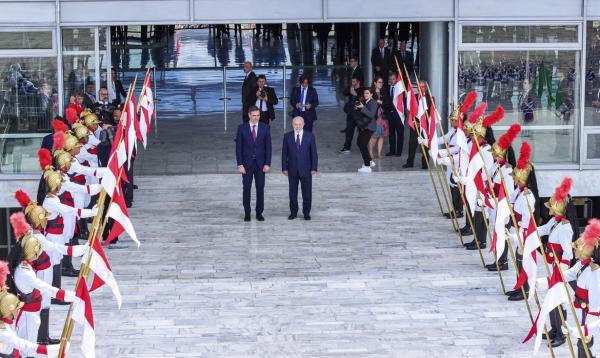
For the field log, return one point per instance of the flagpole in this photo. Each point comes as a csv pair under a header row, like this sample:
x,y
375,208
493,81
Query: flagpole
x,y
437,196
84,271
512,253
560,312
154,101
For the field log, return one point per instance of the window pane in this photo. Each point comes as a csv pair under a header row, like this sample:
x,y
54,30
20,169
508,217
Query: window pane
x,y
538,89
592,75
81,39
30,40
593,146
79,71
29,94
19,155
519,34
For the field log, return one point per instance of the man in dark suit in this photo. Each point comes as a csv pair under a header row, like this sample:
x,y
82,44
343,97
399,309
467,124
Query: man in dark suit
x,y
396,126
413,141
299,162
354,93
253,155
89,98
304,100
265,98
380,58
116,90
405,58
248,93
354,71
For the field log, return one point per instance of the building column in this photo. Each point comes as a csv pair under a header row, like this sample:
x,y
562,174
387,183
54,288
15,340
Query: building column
x,y
368,41
433,62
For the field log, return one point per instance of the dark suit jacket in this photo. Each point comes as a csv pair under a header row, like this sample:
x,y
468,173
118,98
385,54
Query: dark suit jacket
x,y
248,95
311,97
248,150
88,102
48,141
407,61
271,101
299,161
120,91
377,61
357,73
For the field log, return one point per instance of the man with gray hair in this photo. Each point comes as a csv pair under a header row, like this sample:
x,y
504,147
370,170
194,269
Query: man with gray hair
x,y
299,163
248,93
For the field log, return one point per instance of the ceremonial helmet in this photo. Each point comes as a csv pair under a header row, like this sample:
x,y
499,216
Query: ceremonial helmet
x,y
523,169
478,124
9,303
461,111
30,246
52,178
63,160
557,204
500,147
72,141
80,131
36,215
89,118
586,245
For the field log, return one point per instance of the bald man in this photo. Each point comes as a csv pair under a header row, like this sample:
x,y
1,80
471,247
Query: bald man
x,y
299,162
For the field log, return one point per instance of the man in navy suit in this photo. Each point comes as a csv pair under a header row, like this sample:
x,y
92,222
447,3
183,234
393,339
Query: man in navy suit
x,y
299,162
253,155
304,100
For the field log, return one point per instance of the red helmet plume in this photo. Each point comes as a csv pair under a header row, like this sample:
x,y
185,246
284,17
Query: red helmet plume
x,y
71,115
494,117
19,224
525,154
468,102
45,158
59,126
509,136
4,271
22,198
59,140
591,234
478,112
562,191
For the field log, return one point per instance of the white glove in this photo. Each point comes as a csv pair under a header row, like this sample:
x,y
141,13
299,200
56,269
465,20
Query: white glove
x,y
459,179
54,349
443,153
69,296
94,211
564,267
99,172
421,140
541,283
79,250
480,202
94,188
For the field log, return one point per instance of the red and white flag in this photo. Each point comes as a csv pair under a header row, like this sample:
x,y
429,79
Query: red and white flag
x,y
103,274
529,269
413,104
398,99
144,125
84,315
422,117
463,144
109,179
130,138
473,172
118,212
434,118
555,296
502,215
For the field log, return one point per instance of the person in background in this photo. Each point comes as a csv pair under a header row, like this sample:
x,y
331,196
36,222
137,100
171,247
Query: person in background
x,y
89,98
366,123
354,70
304,100
248,93
381,130
380,58
265,100
117,91
354,94
395,125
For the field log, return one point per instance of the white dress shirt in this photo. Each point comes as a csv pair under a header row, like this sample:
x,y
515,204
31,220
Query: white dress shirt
x,y
296,133
262,105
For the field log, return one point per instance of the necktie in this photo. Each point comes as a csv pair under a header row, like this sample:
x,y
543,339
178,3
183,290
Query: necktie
x,y
381,53
298,141
302,98
392,91
254,132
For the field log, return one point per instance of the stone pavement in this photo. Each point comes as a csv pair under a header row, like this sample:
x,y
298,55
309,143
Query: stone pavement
x,y
376,273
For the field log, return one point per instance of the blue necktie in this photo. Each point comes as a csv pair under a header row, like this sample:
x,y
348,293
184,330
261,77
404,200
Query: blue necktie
x,y
302,98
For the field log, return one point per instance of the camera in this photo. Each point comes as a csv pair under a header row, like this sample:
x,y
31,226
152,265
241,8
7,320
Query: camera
x,y
262,92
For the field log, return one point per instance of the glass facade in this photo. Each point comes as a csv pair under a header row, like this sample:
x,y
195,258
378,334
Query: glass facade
x,y
519,34
591,123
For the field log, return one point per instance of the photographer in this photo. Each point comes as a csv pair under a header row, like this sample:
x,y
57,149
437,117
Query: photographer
x,y
354,94
366,123
103,108
265,100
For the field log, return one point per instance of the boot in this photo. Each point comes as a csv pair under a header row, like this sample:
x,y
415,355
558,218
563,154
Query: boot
x,y
581,350
67,267
44,330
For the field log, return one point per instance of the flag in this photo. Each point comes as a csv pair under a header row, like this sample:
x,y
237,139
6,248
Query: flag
x,y
463,144
413,105
473,171
434,118
130,138
144,125
502,215
83,314
422,116
555,296
103,274
529,268
118,212
109,179
398,99
118,145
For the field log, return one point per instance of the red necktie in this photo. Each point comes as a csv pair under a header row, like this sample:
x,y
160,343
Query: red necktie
x,y
254,132
298,141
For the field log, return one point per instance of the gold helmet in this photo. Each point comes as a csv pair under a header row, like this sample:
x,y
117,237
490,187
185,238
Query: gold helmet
x,y
501,145
80,131
53,180
36,214
588,241
461,110
90,119
31,247
72,141
9,305
557,205
523,169
63,160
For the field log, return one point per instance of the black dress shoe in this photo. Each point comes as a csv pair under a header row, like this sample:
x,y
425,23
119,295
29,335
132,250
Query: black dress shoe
x,y
551,333
70,273
466,231
558,341
343,131
407,166
459,214
54,301
517,296
134,187
292,216
513,292
259,217
503,266
398,155
473,246
247,217
389,154
49,341
307,217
